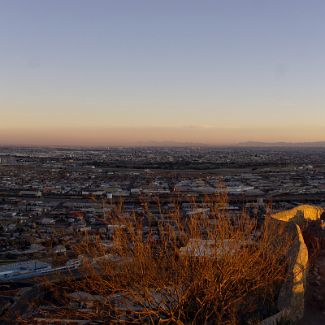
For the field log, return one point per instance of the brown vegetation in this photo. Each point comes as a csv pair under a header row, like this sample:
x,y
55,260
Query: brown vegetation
x,y
228,271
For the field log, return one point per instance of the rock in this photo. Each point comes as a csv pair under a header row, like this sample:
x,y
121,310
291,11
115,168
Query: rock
x,y
317,297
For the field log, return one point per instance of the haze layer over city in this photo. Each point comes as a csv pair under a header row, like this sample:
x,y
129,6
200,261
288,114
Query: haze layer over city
x,y
162,162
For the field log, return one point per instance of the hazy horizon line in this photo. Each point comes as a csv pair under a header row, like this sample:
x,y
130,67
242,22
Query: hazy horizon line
x,y
161,136
173,144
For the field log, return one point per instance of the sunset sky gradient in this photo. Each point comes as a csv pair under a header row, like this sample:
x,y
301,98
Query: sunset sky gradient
x,y
128,72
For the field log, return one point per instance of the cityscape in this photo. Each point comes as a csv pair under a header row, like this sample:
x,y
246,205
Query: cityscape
x,y
162,162
51,198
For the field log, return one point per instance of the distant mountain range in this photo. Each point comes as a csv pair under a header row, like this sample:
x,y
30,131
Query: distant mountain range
x,y
260,144
316,144
171,144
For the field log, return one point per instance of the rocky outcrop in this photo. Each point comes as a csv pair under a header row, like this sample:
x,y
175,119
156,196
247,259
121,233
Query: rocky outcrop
x,y
300,214
291,298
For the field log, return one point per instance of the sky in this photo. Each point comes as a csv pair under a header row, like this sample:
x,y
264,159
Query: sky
x,y
133,72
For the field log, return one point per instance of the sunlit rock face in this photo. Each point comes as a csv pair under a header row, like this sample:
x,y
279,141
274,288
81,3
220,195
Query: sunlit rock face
x,y
300,265
291,298
300,213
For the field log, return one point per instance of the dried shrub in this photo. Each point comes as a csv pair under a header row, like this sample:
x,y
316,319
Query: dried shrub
x,y
202,269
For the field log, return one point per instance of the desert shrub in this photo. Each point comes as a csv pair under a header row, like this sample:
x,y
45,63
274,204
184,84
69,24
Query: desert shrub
x,y
203,269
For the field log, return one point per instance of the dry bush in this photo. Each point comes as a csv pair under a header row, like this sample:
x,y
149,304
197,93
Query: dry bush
x,y
229,273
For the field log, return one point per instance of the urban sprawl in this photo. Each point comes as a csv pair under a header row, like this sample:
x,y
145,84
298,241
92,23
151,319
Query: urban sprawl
x,y
51,197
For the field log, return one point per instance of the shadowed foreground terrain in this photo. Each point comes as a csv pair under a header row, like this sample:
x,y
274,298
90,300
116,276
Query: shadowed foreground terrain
x,y
218,269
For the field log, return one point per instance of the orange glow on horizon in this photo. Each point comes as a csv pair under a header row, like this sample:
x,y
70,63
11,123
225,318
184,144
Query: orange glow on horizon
x,y
155,136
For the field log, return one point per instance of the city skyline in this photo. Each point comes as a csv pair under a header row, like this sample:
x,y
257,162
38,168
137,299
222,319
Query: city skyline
x,y
132,73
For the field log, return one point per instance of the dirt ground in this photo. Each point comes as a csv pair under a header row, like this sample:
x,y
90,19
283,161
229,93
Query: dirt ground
x,y
315,294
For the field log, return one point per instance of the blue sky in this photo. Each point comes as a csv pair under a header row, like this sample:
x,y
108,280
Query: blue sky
x,y
205,71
